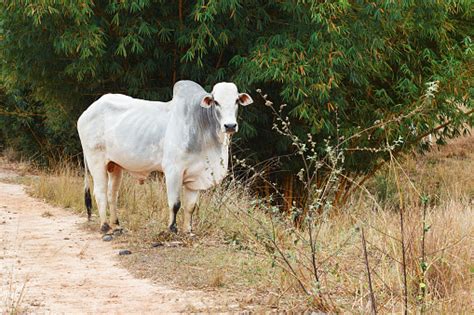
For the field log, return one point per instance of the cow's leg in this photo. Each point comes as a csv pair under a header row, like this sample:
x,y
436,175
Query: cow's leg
x,y
98,171
174,182
190,198
115,178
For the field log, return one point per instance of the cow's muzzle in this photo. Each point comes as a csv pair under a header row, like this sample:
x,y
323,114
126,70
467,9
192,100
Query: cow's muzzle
x,y
230,128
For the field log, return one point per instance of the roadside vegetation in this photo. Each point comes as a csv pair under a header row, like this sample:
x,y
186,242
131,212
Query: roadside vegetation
x,y
331,204
243,247
340,66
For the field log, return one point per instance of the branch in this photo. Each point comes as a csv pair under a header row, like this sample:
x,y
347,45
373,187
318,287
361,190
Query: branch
x,y
440,127
395,152
366,260
21,114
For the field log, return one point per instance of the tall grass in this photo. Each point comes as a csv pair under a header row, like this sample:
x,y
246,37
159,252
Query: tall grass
x,y
438,235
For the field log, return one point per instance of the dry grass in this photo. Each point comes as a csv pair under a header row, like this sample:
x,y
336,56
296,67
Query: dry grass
x,y
216,259
230,251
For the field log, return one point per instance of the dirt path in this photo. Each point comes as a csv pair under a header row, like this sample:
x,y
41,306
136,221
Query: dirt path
x,y
48,264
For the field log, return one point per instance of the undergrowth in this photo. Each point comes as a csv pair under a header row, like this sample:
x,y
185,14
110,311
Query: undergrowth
x,y
400,243
241,243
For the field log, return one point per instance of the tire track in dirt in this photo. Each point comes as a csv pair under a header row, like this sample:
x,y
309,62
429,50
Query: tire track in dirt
x,y
64,269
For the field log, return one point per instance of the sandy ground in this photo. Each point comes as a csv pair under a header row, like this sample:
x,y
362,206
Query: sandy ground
x,y
49,265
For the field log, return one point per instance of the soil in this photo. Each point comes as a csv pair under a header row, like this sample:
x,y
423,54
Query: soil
x,y
49,264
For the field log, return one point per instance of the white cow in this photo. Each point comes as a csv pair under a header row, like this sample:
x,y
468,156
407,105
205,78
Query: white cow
x,y
186,138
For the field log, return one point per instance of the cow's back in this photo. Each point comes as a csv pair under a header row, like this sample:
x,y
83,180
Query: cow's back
x,y
125,130
92,124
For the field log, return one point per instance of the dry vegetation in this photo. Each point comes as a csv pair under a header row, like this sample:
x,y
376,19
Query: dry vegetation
x,y
241,247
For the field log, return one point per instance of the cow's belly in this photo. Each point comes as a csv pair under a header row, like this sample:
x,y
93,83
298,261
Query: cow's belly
x,y
134,139
136,147
151,161
135,157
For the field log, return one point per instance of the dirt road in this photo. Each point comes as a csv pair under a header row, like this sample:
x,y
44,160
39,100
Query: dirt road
x,y
48,264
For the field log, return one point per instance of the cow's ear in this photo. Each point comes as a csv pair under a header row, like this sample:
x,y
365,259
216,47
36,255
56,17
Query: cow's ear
x,y
245,99
207,101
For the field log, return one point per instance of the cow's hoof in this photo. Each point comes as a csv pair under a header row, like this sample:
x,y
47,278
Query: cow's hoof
x,y
117,231
107,238
173,229
105,227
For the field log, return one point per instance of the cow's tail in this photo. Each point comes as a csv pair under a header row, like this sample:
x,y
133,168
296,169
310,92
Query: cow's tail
x,y
87,190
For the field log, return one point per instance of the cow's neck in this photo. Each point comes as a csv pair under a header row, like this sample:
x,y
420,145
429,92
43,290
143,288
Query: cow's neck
x,y
203,130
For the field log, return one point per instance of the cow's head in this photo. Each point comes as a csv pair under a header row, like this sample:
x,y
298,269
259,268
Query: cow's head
x,y
226,99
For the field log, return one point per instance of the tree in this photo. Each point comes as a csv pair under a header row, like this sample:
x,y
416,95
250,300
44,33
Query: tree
x,y
68,55
398,70
369,62
341,66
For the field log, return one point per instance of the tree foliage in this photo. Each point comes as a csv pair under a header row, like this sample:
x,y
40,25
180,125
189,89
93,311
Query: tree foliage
x,y
346,66
341,66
